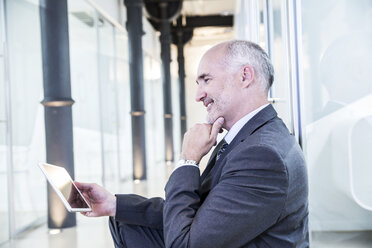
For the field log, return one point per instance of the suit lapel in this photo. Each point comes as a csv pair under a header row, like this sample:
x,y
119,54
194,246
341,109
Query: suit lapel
x,y
249,128
257,121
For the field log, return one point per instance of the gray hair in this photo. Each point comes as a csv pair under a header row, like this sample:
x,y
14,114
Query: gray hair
x,y
241,52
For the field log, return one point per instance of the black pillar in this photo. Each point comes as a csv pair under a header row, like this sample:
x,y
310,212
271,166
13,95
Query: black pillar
x,y
181,75
165,42
57,101
135,32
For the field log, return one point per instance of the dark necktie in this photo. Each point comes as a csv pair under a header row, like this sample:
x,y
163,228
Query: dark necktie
x,y
222,149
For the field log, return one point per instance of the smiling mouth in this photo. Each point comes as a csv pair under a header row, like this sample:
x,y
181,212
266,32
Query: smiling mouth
x,y
209,106
208,102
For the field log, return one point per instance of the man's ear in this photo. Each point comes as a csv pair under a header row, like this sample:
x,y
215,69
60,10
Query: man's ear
x,y
247,76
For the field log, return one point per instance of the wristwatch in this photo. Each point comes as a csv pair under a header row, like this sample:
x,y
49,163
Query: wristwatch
x,y
187,162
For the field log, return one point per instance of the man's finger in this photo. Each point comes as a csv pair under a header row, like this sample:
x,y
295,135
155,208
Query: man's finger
x,y
83,186
217,125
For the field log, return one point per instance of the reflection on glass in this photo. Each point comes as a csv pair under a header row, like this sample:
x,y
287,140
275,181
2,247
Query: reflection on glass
x,y
337,98
108,98
154,111
274,22
85,91
355,63
26,82
4,213
123,106
100,88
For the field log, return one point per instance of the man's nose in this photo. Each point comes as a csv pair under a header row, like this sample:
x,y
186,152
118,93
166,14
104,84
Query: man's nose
x,y
200,94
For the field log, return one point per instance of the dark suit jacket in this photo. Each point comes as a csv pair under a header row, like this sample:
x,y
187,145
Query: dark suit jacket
x,y
255,195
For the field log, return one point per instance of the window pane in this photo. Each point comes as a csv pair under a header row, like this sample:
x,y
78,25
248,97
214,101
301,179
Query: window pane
x,y
123,105
4,212
25,68
107,86
273,38
85,91
337,86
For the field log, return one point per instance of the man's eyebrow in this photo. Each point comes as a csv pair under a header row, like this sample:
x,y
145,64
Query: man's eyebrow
x,y
202,76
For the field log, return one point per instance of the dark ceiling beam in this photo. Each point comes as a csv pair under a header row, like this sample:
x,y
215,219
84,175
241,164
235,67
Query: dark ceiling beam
x,y
209,21
201,21
161,1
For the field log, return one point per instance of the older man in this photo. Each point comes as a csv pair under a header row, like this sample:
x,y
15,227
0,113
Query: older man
x,y
254,190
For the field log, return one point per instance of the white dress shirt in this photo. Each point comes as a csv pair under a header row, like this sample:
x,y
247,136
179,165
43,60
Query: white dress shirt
x,y
234,130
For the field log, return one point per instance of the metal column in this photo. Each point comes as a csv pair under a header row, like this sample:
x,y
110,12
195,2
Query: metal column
x,y
181,75
165,42
57,101
135,32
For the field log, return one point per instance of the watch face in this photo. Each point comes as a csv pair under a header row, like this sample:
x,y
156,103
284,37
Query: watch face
x,y
191,162
187,162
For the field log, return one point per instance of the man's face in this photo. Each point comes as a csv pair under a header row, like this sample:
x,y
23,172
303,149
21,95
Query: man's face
x,y
216,88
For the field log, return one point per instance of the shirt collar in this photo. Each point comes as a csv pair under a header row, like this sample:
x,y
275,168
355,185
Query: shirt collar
x,y
234,130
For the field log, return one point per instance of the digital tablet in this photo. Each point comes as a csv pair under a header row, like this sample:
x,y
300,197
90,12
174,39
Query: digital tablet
x,y
65,188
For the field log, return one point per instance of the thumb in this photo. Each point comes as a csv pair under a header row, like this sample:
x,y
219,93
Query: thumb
x,y
83,186
217,125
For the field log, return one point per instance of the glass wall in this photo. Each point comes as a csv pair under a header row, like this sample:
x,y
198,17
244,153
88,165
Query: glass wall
x,y
337,89
124,123
101,113
108,97
100,88
28,142
4,212
322,57
85,91
154,111
154,121
274,38
272,32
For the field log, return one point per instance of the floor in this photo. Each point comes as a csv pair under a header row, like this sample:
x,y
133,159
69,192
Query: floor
x,y
342,239
94,232
89,232
81,237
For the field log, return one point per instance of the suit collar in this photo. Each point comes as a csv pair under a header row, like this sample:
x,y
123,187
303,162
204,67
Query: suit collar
x,y
240,123
257,121
250,127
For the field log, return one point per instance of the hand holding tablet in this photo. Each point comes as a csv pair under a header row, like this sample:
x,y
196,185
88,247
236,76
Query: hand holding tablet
x,y
88,198
65,188
102,202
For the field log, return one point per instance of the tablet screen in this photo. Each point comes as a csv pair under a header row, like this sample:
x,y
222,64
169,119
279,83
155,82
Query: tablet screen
x,y
61,181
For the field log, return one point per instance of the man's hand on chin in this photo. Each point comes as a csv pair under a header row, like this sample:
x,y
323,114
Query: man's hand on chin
x,y
200,139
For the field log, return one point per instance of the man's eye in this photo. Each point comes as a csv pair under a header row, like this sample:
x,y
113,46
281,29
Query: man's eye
x,y
207,80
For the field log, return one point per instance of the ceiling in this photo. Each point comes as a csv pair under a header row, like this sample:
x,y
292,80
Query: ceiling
x,y
203,39
209,35
208,7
